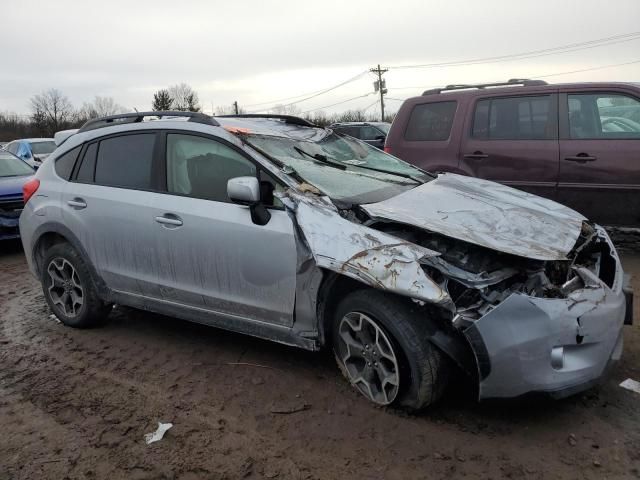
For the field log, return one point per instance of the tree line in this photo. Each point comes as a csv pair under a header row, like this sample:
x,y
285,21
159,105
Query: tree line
x,y
52,111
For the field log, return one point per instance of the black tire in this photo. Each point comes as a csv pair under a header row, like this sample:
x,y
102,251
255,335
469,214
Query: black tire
x,y
92,311
423,369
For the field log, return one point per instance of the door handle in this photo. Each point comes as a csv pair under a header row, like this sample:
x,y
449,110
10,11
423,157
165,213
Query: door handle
x,y
171,220
581,158
476,155
77,203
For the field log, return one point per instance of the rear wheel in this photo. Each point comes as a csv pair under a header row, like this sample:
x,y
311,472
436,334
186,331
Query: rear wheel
x,y
69,290
382,347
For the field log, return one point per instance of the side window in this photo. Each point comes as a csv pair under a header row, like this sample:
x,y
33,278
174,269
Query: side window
x,y
125,161
64,164
12,147
350,130
87,168
515,118
200,167
431,121
604,116
369,133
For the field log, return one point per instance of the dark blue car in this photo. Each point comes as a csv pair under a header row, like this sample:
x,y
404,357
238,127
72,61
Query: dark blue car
x,y
13,175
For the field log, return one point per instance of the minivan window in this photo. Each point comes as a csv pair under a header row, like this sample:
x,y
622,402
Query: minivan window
x,y
201,167
515,118
125,161
64,164
431,121
603,115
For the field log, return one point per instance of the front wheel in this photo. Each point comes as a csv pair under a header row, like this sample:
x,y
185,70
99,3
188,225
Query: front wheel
x,y
382,347
69,290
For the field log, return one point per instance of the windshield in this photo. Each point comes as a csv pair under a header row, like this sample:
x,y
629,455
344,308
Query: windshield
x,y
42,148
10,166
345,169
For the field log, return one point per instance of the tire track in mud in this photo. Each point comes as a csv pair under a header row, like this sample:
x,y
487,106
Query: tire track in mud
x,y
77,403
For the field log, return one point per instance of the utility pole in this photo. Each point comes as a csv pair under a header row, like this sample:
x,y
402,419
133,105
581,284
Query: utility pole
x,y
235,107
380,86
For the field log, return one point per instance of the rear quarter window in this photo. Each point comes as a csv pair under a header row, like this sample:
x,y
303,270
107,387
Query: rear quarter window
x,y
64,163
431,121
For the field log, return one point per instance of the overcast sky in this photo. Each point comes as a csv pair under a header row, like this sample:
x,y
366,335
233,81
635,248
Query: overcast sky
x,y
256,51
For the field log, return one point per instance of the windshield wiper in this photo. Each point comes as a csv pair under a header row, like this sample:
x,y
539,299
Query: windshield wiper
x,y
321,158
391,172
286,169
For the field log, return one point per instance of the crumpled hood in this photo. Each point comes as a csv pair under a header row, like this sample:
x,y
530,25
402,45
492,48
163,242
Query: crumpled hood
x,y
488,214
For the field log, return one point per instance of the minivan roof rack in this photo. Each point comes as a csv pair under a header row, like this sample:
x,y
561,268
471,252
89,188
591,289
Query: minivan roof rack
x,y
290,119
137,117
525,82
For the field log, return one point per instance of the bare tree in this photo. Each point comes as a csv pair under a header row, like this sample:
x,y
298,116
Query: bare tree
x,y
100,107
228,110
161,100
285,109
184,98
52,111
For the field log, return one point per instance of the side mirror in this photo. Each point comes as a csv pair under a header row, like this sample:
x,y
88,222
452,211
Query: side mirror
x,y
246,191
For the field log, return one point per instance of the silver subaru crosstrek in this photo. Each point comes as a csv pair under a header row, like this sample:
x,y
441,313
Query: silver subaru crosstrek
x,y
277,228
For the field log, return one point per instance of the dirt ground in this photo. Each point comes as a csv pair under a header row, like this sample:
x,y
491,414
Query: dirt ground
x,y
77,403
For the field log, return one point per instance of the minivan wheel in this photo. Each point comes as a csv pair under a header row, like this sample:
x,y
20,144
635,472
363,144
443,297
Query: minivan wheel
x,y
381,346
69,290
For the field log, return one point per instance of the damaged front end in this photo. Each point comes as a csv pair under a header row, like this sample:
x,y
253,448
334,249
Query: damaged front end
x,y
534,326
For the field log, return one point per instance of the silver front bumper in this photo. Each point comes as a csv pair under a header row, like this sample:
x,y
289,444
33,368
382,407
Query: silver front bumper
x,y
556,346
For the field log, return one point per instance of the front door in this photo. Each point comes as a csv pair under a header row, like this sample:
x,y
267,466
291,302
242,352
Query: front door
x,y
514,141
209,252
600,156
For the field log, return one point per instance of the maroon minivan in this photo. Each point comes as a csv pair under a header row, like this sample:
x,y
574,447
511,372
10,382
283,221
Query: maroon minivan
x,y
576,143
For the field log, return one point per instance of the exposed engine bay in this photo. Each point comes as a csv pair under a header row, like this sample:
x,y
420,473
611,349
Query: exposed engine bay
x,y
478,279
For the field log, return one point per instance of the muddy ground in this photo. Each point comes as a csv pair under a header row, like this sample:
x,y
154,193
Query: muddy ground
x,y
77,403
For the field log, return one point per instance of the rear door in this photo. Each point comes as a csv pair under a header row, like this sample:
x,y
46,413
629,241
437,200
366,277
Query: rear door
x,y
210,254
107,205
600,155
513,140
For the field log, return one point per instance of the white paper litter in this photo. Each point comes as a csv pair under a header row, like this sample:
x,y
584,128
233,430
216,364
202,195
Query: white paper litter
x,y
158,434
53,317
632,385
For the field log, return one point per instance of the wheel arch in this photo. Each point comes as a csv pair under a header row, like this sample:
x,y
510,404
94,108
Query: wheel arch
x,y
335,286
49,234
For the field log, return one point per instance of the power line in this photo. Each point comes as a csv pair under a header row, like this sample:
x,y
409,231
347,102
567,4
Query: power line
x,y
322,92
588,69
369,106
273,102
602,67
627,37
339,103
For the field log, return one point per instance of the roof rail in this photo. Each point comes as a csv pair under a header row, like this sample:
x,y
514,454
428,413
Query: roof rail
x,y
525,82
137,117
290,119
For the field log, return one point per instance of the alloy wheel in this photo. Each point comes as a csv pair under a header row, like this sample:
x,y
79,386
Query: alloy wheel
x,y
368,357
65,289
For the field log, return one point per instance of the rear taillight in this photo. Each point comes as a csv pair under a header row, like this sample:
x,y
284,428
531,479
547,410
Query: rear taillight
x,y
29,188
387,150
